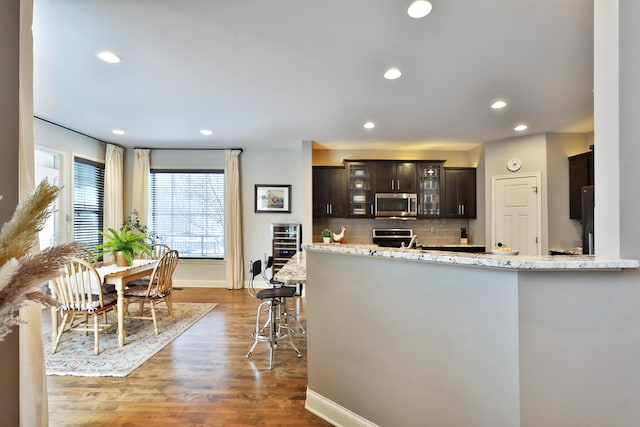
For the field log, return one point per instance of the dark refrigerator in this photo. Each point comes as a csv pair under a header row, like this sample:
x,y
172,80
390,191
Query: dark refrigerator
x,y
587,220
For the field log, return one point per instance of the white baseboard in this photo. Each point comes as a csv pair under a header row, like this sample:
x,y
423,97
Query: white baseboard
x,y
199,283
187,283
333,413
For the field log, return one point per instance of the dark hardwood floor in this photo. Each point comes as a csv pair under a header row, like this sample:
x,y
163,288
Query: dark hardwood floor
x,y
201,379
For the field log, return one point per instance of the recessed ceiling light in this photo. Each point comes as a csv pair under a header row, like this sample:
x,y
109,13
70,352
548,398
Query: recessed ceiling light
x,y
498,105
392,74
419,9
520,128
369,125
117,132
206,132
109,57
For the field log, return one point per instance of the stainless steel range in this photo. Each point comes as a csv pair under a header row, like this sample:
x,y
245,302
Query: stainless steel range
x,y
392,237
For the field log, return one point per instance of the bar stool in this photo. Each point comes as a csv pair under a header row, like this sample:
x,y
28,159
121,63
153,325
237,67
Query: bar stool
x,y
271,329
295,313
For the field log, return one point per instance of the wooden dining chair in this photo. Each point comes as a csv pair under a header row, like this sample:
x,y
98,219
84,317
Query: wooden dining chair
x,y
85,254
82,253
158,289
79,292
157,250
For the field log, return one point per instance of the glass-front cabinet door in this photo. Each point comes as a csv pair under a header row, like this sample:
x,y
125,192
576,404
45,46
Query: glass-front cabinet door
x,y
430,189
360,194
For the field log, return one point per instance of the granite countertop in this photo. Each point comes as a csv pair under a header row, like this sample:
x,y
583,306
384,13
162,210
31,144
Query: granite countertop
x,y
452,246
294,271
513,262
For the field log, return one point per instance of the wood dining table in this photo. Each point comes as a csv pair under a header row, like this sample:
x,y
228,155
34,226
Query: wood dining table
x,y
120,276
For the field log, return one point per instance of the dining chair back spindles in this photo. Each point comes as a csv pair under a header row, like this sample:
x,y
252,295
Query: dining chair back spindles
x,y
79,291
85,254
157,250
158,289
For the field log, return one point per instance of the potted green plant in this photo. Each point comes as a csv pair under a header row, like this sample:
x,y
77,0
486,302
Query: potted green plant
x,y
134,224
326,235
124,245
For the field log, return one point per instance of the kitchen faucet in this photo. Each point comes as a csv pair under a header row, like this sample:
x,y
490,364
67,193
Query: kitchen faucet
x,y
412,242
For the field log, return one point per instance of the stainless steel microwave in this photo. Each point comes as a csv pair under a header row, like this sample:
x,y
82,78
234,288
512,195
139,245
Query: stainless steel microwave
x,y
396,205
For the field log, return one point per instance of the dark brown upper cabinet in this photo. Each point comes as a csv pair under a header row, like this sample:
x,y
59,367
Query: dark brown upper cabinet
x,y
430,193
460,192
395,177
329,192
359,188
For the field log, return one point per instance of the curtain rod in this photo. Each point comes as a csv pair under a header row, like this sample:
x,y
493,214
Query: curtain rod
x,y
112,143
74,131
187,149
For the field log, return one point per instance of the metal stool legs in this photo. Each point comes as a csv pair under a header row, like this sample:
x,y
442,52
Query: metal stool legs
x,y
295,315
272,330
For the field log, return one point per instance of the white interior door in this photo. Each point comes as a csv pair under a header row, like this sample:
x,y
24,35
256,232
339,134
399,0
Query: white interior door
x,y
516,213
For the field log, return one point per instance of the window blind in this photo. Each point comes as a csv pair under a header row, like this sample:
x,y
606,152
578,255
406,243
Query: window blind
x,y
187,211
88,201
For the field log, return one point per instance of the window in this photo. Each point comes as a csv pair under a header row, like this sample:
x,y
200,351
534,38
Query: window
x,y
47,166
88,201
187,211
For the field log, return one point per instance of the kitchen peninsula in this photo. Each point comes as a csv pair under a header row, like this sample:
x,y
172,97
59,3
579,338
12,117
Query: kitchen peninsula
x,y
410,337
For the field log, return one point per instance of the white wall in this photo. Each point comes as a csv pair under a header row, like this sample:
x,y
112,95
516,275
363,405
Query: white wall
x,y
531,149
446,356
563,232
281,167
629,128
607,163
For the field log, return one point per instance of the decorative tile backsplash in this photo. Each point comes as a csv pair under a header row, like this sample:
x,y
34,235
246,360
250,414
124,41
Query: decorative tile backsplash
x,y
359,231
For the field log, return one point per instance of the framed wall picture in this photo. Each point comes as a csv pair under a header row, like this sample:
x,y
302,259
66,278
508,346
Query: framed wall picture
x,y
273,198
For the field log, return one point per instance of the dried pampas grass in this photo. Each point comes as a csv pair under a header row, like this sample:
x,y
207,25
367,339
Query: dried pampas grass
x,y
22,275
20,234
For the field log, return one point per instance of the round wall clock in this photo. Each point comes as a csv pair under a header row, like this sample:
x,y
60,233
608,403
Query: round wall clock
x,y
514,164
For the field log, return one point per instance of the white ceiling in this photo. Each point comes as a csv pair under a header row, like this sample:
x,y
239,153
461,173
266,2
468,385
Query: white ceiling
x,y
272,73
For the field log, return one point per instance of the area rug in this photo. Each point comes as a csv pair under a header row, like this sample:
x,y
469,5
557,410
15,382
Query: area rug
x,y
75,355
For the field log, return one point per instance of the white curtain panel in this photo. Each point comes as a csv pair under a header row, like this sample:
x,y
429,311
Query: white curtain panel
x,y
234,272
140,186
113,186
34,406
